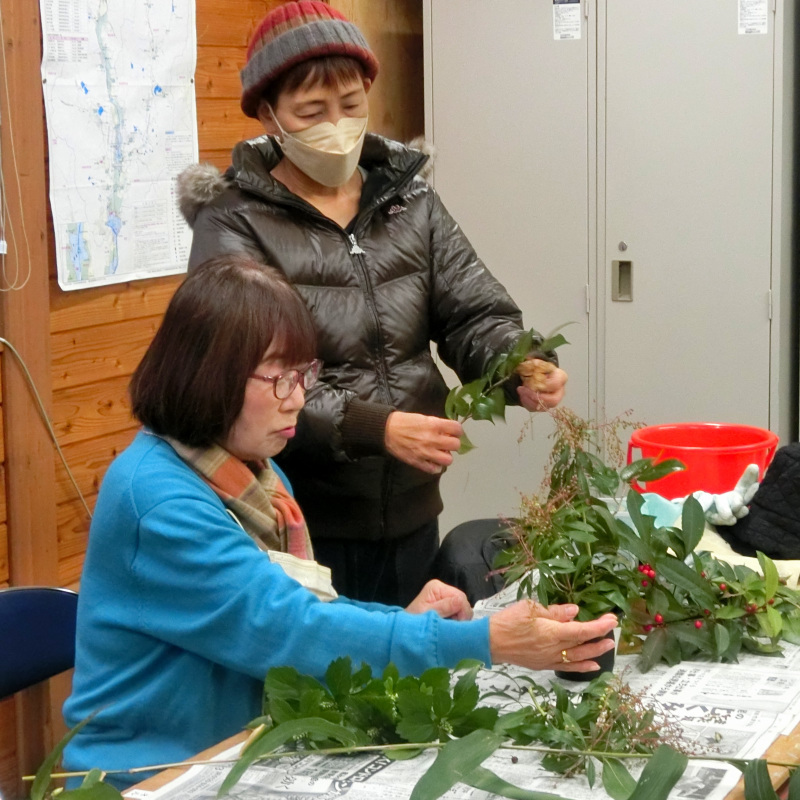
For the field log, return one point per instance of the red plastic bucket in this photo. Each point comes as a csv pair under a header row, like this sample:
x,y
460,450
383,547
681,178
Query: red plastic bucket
x,y
715,454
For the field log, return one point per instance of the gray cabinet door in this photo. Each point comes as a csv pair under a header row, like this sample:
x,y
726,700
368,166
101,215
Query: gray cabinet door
x,y
686,185
508,110
649,161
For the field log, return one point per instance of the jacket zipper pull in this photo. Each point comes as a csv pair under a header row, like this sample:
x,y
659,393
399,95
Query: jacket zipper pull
x,y
355,250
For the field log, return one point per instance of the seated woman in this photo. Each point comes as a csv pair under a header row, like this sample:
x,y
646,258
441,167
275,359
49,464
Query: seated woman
x,y
185,602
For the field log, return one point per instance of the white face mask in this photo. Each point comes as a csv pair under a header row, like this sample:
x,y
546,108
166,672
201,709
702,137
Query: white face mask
x,y
327,153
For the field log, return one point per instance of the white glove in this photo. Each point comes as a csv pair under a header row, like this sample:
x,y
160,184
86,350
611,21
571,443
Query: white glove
x,y
728,507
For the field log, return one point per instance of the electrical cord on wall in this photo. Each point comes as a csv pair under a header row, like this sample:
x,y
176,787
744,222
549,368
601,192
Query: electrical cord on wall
x,y
22,275
45,418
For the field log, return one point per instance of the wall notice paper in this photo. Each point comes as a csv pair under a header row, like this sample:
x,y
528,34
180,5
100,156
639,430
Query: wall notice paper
x,y
752,16
118,82
566,19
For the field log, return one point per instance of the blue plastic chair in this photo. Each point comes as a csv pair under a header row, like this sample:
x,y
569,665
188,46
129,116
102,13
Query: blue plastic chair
x,y
37,635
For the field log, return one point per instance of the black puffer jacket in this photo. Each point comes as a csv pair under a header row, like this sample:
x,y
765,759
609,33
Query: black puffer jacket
x,y
402,275
773,524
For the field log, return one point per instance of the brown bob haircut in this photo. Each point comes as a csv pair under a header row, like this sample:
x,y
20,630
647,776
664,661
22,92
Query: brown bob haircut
x,y
320,71
220,322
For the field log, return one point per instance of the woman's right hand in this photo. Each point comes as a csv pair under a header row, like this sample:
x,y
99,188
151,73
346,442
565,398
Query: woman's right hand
x,y
535,636
423,441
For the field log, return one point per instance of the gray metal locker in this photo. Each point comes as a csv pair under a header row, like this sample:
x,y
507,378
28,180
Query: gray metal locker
x,y
648,161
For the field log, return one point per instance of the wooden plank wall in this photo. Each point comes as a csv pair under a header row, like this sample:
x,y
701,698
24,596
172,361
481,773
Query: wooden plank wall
x,y
97,336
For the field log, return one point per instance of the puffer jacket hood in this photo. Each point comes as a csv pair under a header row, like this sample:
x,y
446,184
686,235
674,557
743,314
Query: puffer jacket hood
x,y
400,276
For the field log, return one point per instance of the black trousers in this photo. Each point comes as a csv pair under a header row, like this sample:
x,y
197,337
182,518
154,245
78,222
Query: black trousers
x,y
390,571
466,556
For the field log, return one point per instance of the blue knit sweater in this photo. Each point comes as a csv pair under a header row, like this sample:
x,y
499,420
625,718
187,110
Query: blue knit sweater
x,y
180,616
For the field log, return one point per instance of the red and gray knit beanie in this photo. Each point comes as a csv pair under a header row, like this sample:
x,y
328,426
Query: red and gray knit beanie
x,y
295,32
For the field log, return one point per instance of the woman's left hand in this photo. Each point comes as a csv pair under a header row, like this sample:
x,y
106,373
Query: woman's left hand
x,y
445,600
550,397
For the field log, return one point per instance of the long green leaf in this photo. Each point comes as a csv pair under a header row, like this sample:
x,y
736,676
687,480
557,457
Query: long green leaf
x,y
485,779
454,762
271,740
660,774
757,783
42,779
794,786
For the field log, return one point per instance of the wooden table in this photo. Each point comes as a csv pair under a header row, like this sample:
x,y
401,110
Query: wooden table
x,y
784,748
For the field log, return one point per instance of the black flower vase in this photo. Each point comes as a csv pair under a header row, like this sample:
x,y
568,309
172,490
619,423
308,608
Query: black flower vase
x,y
606,662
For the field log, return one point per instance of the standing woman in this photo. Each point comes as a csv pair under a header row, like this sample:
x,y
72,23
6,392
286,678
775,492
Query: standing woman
x,y
384,270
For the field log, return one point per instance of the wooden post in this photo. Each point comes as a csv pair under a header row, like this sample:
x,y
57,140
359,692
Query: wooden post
x,y
25,323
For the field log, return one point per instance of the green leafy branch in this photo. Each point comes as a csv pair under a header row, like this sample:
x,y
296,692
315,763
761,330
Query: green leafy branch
x,y
484,398
571,546
602,726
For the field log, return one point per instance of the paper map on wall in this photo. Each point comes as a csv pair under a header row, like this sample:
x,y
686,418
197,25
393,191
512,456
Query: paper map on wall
x,y
118,82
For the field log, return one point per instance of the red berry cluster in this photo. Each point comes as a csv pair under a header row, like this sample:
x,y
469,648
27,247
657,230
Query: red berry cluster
x,y
648,572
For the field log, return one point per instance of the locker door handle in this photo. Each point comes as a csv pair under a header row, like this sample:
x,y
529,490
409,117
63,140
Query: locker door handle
x,y
622,281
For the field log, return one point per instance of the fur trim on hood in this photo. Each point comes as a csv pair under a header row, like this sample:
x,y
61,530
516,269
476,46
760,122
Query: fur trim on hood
x,y
200,184
424,146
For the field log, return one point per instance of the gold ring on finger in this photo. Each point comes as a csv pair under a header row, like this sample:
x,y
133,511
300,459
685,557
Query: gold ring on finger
x,y
564,657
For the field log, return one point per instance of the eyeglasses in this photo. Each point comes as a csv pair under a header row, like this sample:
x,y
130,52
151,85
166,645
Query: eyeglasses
x,y
285,383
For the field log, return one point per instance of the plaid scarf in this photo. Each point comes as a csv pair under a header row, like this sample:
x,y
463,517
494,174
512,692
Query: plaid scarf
x,y
254,495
